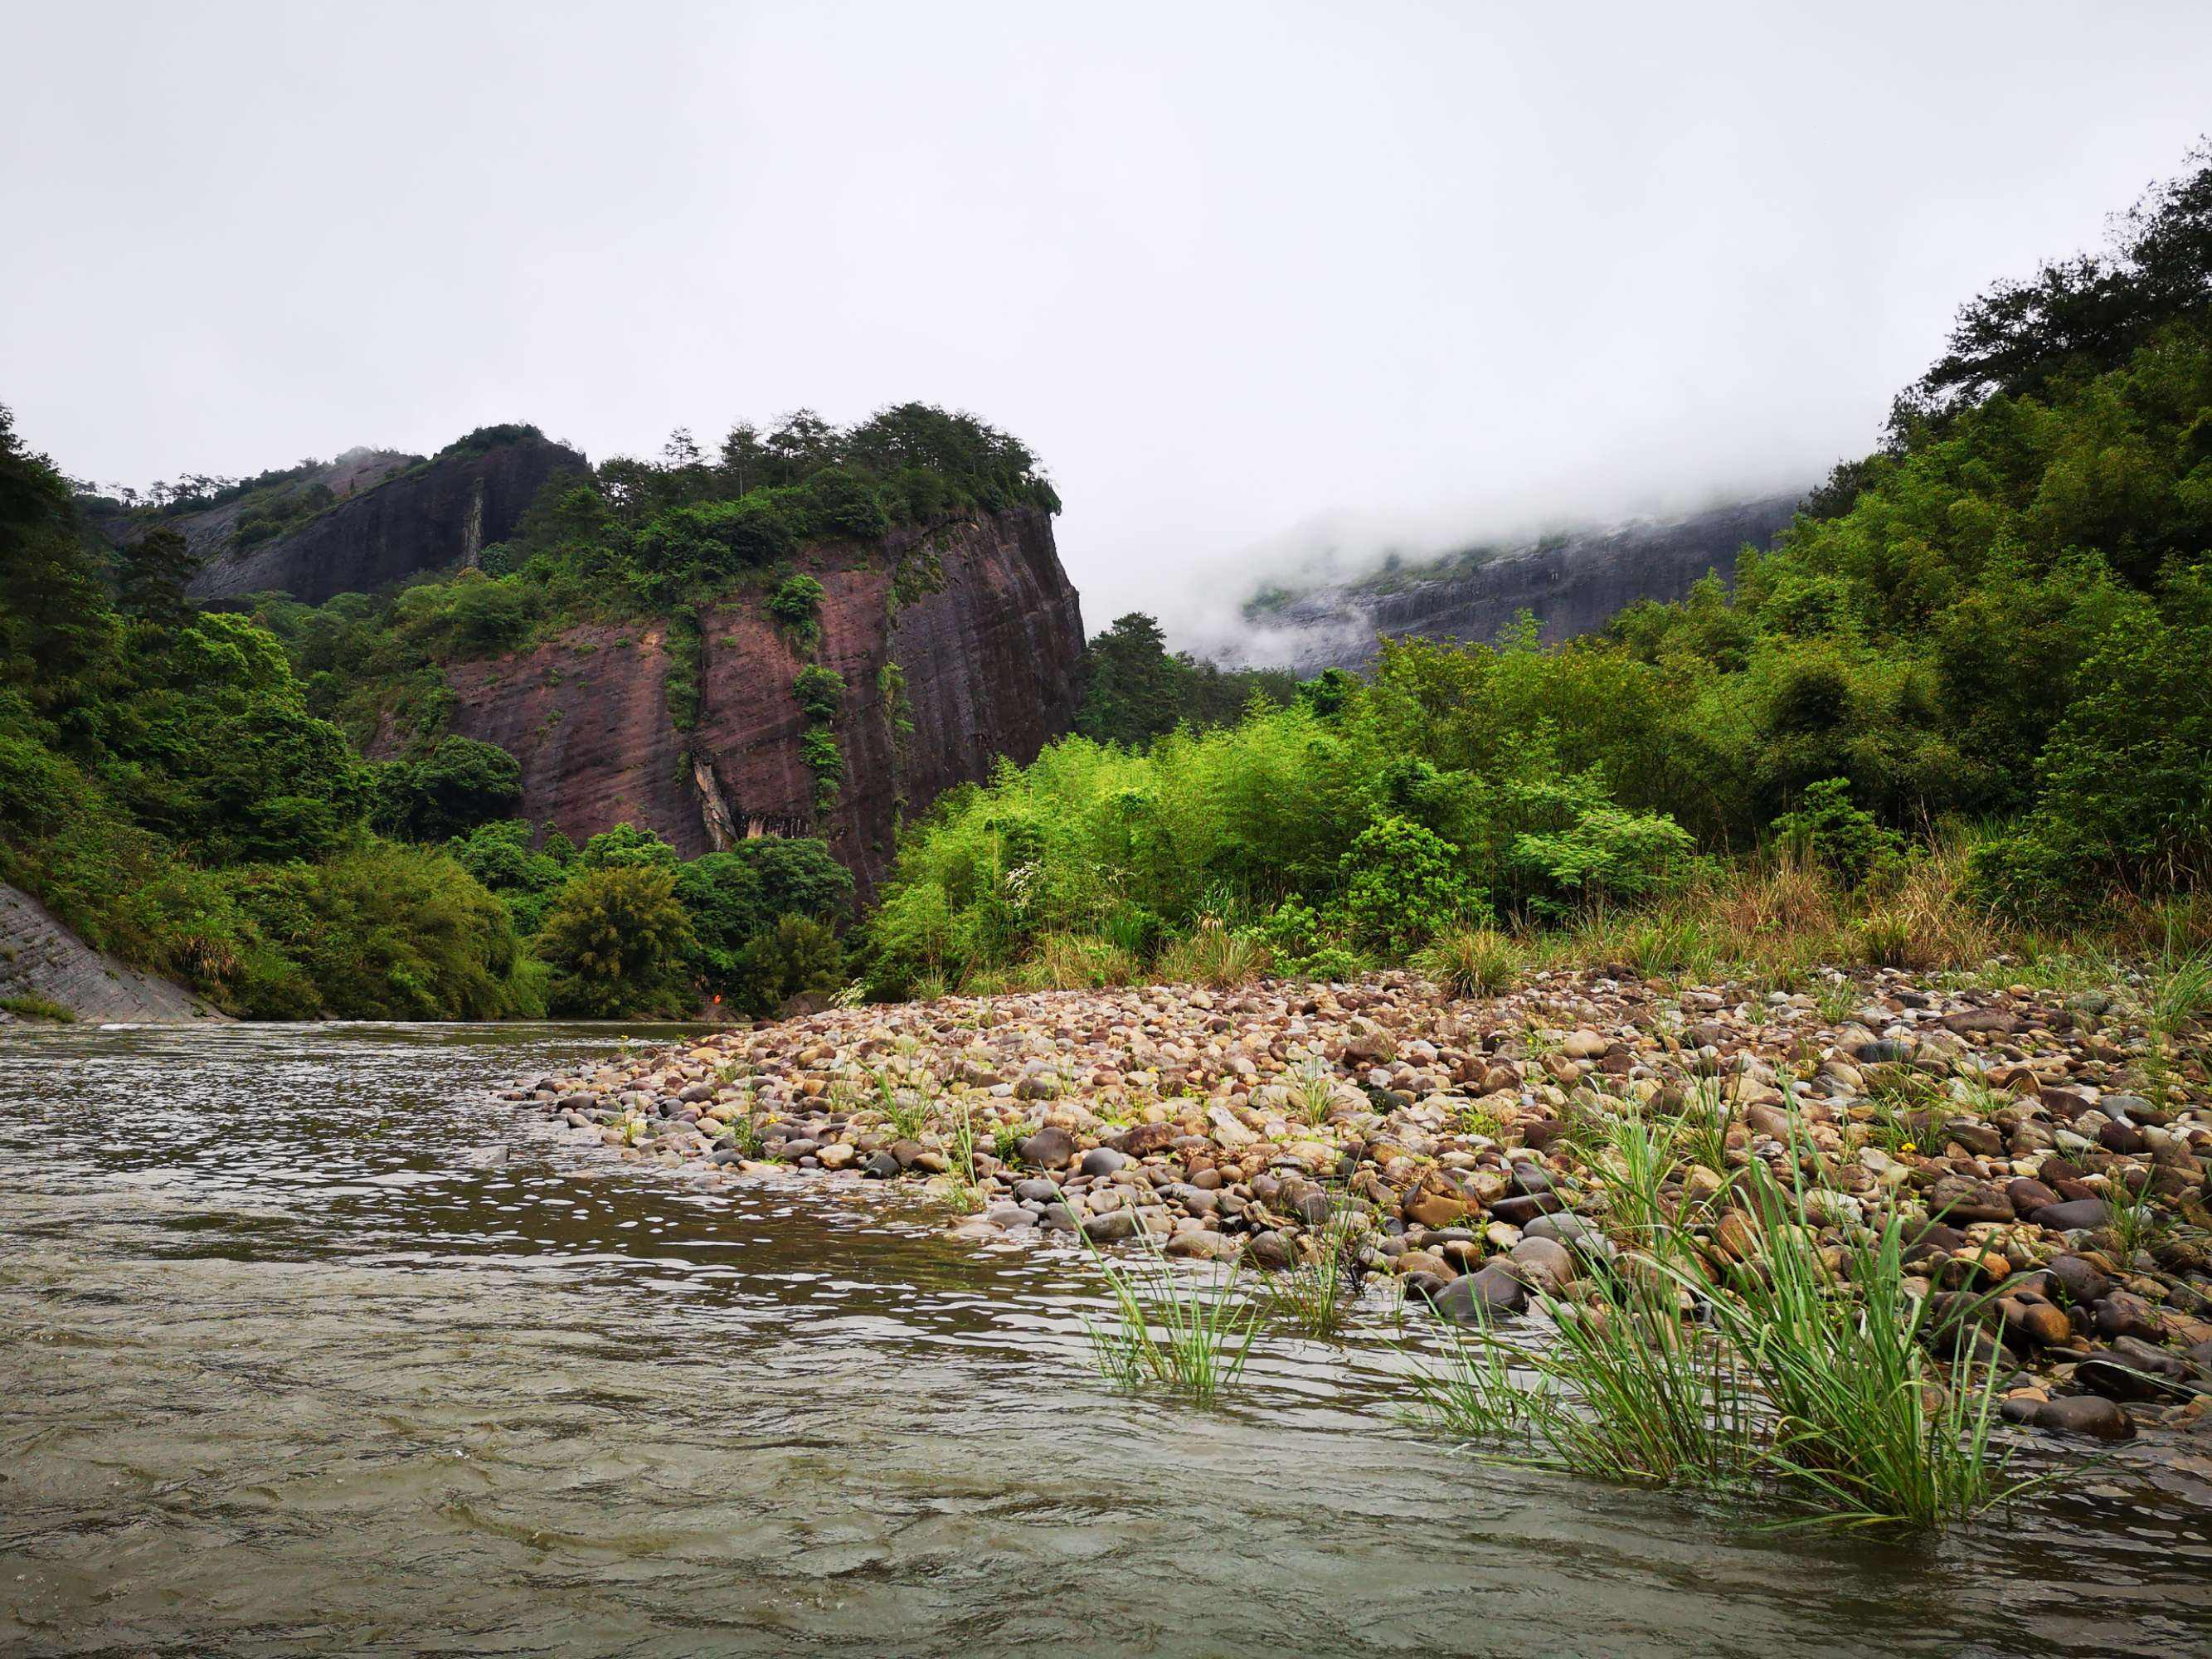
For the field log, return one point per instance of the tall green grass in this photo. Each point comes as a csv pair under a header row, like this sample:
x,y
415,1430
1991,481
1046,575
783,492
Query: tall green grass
x,y
1818,1388
1180,1334
1317,1297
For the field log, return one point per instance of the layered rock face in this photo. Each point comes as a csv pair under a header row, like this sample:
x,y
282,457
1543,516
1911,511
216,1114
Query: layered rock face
x,y
1573,584
988,662
441,512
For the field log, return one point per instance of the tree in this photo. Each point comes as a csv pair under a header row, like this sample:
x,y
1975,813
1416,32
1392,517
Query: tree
x,y
798,957
745,458
2086,314
55,622
625,847
151,574
801,442
617,941
1134,689
460,784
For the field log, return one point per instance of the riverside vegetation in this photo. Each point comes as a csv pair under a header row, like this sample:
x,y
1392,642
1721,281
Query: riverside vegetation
x,y
1794,994
1957,711
1811,975
1819,1248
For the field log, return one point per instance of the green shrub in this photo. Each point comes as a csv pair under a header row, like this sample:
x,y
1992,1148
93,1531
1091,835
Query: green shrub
x,y
460,784
799,955
626,845
818,690
1608,852
617,940
1401,885
29,1005
734,896
819,750
382,931
38,788
1826,828
798,606
838,501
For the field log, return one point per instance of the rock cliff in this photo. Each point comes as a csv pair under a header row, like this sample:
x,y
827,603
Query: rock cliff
x,y
402,519
1573,583
981,658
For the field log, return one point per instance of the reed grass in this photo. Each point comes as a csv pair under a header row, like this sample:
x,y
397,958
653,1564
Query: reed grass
x,y
1214,955
1811,1386
908,1110
2134,1222
1472,961
1317,1297
1312,1084
1177,1333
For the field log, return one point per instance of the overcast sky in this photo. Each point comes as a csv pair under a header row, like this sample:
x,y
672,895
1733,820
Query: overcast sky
x,y
1234,272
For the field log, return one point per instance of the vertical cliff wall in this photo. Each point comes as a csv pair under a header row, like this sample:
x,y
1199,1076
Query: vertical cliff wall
x,y
982,658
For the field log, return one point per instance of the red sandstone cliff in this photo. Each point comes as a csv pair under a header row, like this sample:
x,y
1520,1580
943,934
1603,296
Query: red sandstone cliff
x,y
992,660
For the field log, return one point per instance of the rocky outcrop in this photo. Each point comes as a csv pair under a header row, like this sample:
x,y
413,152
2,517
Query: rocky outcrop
x,y
40,957
428,516
1573,583
981,658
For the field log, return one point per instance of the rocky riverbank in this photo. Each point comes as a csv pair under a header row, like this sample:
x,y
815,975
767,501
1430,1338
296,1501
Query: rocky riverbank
x,y
2048,1155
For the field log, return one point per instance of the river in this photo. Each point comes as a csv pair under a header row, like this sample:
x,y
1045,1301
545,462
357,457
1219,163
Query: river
x,y
309,1344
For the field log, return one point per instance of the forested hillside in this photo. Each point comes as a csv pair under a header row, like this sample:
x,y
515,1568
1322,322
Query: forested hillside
x,y
277,808
1962,704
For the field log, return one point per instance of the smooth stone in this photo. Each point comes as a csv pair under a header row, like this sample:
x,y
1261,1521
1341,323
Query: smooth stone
x,y
1569,1229
1146,1138
1034,1191
2107,1376
1480,1297
1204,1244
1549,1263
1883,1052
1269,1249
2122,1313
2087,1415
2082,1281
1048,1149
1521,1211
1101,1160
878,1166
1115,1227
2073,1215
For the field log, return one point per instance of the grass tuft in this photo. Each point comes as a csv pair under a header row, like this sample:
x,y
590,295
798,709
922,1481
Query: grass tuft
x,y
1813,1386
1180,1334
1471,962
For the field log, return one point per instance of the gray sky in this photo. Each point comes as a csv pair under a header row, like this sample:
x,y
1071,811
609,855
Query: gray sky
x,y
1243,275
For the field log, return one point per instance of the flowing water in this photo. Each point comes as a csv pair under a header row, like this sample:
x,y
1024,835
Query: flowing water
x,y
308,1345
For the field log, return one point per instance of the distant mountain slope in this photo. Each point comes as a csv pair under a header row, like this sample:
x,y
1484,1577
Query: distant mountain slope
x,y
423,516
1573,583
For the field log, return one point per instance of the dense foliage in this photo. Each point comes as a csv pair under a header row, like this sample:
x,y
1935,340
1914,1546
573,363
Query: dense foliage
x,y
166,786
1998,626
1135,690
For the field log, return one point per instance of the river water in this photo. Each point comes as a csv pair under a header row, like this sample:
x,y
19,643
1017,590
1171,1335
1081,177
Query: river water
x,y
289,1364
